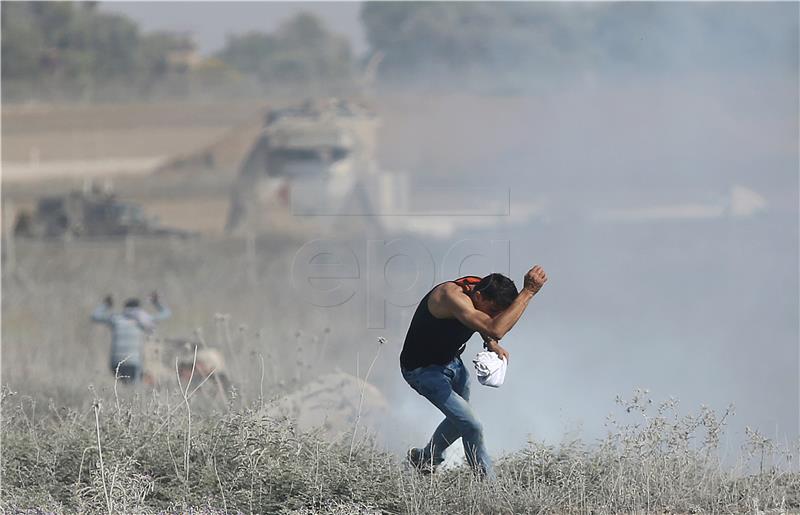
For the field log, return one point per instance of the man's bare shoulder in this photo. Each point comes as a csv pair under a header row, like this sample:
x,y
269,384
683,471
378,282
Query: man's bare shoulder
x,y
443,298
447,290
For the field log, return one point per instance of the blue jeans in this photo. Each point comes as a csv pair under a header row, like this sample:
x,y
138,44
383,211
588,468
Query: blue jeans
x,y
447,388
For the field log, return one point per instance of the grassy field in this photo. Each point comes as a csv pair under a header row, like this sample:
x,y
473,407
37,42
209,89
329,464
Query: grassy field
x,y
76,442
156,454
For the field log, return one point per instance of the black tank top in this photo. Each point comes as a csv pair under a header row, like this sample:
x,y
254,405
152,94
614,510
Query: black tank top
x,y
434,341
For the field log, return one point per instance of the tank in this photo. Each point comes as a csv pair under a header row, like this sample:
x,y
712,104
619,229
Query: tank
x,y
90,213
310,163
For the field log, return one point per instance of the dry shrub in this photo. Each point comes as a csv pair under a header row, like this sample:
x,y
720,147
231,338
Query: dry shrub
x,y
241,459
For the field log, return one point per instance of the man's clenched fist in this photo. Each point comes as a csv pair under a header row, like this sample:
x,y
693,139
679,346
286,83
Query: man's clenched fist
x,y
535,279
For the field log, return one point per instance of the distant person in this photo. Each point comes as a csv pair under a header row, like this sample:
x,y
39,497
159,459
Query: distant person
x,y
129,329
431,363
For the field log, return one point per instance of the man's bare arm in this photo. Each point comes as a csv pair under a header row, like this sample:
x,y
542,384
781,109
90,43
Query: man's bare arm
x,y
462,308
493,345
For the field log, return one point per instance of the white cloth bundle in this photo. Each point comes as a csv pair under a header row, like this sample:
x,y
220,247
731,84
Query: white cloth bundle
x,y
491,368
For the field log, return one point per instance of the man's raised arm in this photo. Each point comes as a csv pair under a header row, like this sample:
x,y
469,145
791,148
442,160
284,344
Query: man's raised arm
x,y
462,308
102,313
162,311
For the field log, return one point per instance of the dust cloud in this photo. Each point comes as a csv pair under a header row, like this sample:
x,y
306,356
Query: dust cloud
x,y
625,176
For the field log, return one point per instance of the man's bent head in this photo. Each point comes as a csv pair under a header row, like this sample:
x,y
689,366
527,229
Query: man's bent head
x,y
132,303
494,294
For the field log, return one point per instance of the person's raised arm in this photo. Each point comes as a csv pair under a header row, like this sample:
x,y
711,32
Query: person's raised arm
x,y
462,308
162,311
102,313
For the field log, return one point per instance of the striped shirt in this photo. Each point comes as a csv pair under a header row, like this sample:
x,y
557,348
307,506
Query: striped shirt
x,y
128,331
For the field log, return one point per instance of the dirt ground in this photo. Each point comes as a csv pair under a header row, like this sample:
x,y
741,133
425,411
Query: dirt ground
x,y
116,131
54,149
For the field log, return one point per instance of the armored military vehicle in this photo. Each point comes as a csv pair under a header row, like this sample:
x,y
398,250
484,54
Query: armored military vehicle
x,y
310,164
89,213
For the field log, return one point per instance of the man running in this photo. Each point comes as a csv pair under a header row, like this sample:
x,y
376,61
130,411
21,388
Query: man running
x,y
431,364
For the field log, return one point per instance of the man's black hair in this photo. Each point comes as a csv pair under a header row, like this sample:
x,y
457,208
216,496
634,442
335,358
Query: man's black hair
x,y
132,303
499,289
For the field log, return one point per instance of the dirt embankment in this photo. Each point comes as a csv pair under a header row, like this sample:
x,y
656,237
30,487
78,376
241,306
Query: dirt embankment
x,y
78,141
149,151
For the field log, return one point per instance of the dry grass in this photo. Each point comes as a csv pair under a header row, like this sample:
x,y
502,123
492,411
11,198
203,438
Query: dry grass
x,y
50,348
167,450
150,455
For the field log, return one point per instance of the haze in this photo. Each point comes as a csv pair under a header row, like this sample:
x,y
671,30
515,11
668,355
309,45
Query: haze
x,y
663,192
